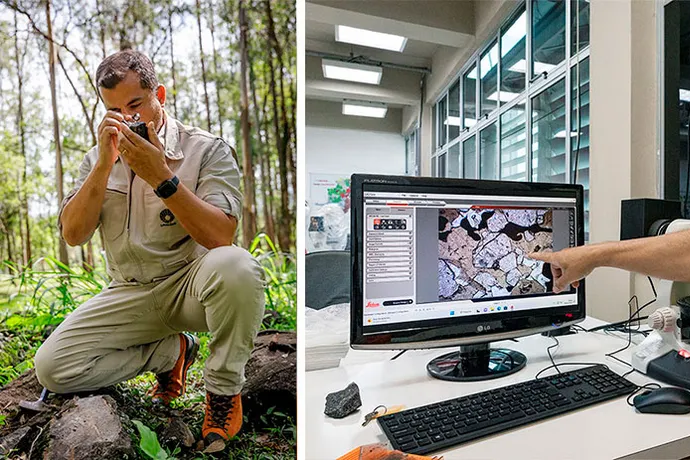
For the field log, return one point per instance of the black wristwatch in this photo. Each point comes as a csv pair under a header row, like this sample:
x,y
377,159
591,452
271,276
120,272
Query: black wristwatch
x,y
167,188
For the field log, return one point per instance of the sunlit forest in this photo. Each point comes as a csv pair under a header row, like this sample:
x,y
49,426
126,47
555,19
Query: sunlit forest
x,y
229,67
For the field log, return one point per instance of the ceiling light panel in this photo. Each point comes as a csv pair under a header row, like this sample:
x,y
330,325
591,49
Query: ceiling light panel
x,y
350,71
369,38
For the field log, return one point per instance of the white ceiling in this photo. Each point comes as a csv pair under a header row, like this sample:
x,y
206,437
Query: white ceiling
x,y
429,25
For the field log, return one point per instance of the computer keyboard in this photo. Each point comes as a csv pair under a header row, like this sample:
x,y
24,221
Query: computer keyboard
x,y
448,423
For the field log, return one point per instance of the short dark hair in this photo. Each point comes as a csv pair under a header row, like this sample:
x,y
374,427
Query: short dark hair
x,y
113,69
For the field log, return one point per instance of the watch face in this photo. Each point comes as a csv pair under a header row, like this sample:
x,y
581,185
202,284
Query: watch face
x,y
166,189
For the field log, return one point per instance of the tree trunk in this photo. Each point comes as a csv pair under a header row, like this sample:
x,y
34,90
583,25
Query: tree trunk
x,y
281,137
26,241
101,32
172,60
211,24
56,126
203,67
263,154
249,219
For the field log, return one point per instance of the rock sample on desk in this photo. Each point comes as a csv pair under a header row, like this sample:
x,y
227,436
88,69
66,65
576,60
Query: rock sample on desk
x,y
344,402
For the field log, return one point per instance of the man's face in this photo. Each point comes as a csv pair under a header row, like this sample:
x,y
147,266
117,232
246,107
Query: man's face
x,y
128,98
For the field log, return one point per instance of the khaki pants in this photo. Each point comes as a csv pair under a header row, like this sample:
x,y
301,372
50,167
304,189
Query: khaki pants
x,y
126,330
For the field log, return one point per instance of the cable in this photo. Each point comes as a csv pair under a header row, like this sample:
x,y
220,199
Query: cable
x,y
548,350
648,386
568,364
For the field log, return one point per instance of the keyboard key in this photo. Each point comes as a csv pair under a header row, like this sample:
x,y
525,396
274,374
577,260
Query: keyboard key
x,y
409,446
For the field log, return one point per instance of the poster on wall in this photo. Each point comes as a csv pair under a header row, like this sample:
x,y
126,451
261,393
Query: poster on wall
x,y
329,188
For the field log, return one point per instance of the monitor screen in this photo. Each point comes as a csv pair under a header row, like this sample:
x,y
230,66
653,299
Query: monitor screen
x,y
444,259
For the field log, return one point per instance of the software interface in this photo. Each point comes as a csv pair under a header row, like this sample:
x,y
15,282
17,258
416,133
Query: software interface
x,y
435,256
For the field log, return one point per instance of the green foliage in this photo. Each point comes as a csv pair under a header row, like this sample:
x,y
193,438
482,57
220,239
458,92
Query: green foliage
x,y
281,281
149,444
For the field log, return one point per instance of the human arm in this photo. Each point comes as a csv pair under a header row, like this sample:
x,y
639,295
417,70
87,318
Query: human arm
x,y
665,256
80,212
208,224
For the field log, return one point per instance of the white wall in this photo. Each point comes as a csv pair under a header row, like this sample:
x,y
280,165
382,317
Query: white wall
x,y
348,151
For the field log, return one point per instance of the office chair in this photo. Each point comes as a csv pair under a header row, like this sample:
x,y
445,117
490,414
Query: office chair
x,y
327,276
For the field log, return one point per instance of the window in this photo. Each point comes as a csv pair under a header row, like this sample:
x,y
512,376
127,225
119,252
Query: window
x,y
579,138
454,111
488,153
469,158
580,16
548,134
513,60
469,97
488,66
442,165
433,166
442,122
548,35
454,164
512,126
513,144
411,153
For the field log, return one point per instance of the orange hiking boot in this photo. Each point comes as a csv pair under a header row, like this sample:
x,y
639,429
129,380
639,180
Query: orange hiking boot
x,y
172,384
222,421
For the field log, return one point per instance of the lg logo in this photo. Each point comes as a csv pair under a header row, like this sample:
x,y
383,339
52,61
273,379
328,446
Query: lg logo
x,y
481,328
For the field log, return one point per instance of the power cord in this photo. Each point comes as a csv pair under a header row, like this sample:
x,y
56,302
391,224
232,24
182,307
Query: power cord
x,y
620,326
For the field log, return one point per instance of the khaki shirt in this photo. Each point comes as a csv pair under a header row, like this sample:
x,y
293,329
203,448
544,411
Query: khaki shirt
x,y
142,239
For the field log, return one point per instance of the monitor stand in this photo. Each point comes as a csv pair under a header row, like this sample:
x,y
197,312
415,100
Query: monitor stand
x,y
476,362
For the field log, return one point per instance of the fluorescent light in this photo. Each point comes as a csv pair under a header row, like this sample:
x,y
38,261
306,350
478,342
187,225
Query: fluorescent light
x,y
685,95
539,67
364,109
349,71
506,96
469,122
370,38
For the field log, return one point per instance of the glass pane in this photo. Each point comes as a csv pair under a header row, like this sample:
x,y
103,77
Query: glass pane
x,y
513,61
454,161
580,124
548,35
513,144
433,166
583,16
469,158
488,67
434,126
454,111
488,153
469,97
411,152
548,134
442,165
442,122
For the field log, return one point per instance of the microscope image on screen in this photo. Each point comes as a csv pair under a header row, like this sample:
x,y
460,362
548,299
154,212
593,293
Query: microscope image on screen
x,y
482,252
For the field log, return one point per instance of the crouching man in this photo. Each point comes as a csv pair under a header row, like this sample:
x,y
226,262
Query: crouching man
x,y
167,210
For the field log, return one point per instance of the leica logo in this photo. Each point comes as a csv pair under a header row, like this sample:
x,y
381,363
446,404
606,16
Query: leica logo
x,y
373,304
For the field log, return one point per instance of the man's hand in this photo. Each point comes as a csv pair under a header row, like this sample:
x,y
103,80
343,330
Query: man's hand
x,y
108,132
147,159
568,266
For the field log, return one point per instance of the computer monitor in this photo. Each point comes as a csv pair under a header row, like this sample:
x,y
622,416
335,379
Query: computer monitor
x,y
444,262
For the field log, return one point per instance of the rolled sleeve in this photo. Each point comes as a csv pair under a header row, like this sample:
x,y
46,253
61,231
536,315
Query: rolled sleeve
x,y
219,180
84,171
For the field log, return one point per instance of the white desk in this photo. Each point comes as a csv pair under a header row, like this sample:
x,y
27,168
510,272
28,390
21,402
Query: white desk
x,y
610,430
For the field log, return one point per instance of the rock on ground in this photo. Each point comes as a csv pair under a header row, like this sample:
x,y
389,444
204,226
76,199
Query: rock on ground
x,y
271,375
87,429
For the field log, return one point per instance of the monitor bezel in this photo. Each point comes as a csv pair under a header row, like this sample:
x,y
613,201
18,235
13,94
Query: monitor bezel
x,y
482,328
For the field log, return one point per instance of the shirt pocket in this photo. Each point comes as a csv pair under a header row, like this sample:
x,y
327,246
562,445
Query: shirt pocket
x,y
114,213
161,227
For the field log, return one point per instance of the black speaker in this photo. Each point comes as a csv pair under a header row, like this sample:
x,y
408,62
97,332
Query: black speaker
x,y
638,216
